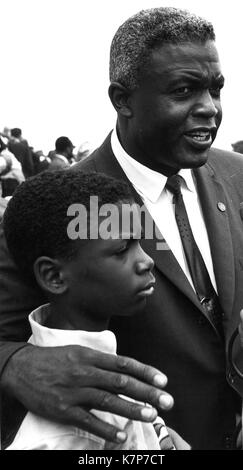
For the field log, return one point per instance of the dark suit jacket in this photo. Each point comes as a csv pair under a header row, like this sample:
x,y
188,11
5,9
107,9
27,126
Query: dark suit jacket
x,y
23,153
173,334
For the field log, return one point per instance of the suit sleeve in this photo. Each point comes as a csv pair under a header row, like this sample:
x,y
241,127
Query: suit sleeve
x,y
17,300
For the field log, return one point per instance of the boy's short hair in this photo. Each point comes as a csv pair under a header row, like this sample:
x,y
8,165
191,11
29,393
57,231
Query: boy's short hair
x,y
35,221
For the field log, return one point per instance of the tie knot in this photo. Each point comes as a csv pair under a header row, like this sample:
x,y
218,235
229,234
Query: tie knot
x,y
173,184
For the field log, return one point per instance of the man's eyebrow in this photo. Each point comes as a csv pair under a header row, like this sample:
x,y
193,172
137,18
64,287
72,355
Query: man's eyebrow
x,y
195,76
189,74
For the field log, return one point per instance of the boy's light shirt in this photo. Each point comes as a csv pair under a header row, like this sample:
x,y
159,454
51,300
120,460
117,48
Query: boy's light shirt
x,y
103,341
36,433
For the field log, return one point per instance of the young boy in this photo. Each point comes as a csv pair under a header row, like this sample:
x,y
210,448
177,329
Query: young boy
x,y
88,275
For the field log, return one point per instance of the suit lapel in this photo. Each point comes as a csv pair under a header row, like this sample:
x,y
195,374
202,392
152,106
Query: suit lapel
x,y
215,209
168,266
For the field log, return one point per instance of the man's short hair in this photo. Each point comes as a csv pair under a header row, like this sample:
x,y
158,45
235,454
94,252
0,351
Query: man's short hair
x,y
35,221
148,29
62,143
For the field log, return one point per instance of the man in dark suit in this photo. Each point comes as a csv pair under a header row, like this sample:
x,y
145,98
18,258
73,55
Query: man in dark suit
x,y
165,86
20,148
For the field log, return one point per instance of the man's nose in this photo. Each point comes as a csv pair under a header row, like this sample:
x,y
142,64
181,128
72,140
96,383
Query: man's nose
x,y
205,105
144,263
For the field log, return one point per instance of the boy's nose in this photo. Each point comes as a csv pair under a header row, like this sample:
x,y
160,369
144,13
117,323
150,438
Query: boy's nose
x,y
145,262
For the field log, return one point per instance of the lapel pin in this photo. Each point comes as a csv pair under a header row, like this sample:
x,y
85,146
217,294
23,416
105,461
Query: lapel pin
x,y
221,207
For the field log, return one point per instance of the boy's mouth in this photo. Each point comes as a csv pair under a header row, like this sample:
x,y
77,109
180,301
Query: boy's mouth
x,y
148,289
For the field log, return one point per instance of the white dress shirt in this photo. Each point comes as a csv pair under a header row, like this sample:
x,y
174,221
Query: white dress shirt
x,y
16,168
62,157
150,185
37,433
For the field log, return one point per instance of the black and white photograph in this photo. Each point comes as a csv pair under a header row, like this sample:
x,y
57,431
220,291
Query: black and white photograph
x,y
121,229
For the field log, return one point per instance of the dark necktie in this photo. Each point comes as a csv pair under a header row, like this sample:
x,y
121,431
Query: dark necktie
x,y
199,274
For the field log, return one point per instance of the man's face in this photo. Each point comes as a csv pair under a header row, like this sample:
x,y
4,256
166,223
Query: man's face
x,y
176,110
110,277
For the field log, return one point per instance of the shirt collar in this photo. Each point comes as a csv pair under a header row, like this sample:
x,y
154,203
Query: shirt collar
x,y
104,341
188,179
148,183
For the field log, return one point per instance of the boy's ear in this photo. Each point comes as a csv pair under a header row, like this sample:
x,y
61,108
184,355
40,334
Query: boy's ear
x,y
120,98
49,275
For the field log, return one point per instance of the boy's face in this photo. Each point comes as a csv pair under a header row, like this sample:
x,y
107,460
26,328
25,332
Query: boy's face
x,y
110,277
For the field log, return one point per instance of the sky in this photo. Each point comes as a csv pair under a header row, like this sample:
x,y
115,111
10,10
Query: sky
x,y
55,60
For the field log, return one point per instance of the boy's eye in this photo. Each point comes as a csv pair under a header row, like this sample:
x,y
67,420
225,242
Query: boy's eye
x,y
122,249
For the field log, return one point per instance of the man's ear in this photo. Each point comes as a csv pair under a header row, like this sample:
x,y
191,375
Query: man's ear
x,y
120,98
49,275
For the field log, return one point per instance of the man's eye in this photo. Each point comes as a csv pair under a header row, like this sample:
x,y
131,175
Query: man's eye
x,y
183,90
215,91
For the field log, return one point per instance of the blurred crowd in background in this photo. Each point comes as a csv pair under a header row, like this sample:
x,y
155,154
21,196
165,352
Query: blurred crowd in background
x,y
19,161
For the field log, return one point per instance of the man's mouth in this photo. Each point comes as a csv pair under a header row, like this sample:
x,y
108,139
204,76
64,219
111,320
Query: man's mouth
x,y
200,138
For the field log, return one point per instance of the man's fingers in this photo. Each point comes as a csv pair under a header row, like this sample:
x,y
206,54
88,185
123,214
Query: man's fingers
x,y
129,366
119,405
121,375
119,383
85,420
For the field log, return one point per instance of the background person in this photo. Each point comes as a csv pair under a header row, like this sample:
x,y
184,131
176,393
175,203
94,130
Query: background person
x,y
238,146
21,150
63,156
10,176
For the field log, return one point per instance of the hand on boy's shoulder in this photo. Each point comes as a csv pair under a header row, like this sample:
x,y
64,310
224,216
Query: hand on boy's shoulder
x,y
64,383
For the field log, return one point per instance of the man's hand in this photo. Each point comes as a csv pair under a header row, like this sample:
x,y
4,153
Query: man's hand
x,y
63,383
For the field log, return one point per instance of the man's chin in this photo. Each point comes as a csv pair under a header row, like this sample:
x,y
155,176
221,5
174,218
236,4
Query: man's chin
x,y
197,159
